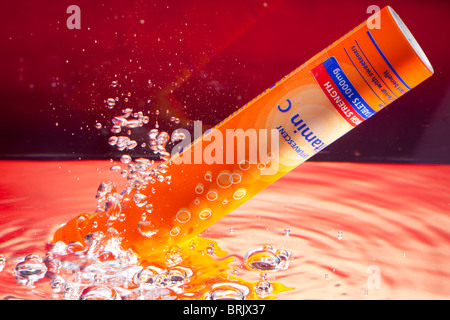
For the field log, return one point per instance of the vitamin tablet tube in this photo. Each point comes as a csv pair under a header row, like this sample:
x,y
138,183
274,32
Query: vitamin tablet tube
x,y
342,86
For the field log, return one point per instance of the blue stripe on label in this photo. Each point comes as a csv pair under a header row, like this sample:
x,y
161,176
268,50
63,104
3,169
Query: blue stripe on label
x,y
385,59
347,89
362,51
363,77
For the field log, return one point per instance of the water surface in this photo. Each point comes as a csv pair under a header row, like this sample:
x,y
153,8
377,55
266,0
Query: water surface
x,y
353,231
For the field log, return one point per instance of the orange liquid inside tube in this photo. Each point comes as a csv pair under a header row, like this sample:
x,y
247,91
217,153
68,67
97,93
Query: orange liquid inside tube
x,y
317,103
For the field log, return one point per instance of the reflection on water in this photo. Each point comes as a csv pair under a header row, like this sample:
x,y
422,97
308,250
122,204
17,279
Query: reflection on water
x,y
328,231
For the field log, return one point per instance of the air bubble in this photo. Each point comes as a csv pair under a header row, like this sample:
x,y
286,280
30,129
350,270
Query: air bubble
x,y
244,165
261,166
112,141
175,231
57,284
183,215
212,195
199,188
112,205
263,288
227,291
239,193
142,164
125,159
147,228
133,124
119,121
122,142
224,179
235,178
163,168
179,275
177,135
262,260
164,155
208,176
283,255
266,259
30,270
210,249
140,199
149,208
126,112
116,129
2,262
145,277
131,144
105,189
205,214
161,280
173,256
162,138
99,292
153,134
111,103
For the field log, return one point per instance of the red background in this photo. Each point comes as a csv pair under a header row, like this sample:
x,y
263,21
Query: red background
x,y
204,59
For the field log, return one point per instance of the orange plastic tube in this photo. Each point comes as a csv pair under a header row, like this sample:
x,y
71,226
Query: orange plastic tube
x,y
300,115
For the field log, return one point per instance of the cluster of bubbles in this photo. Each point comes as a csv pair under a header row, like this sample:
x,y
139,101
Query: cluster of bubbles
x,y
140,173
225,179
130,120
266,259
102,270
157,143
115,275
127,121
122,143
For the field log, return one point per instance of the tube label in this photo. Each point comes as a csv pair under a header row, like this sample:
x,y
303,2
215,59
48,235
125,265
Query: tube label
x,y
341,92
